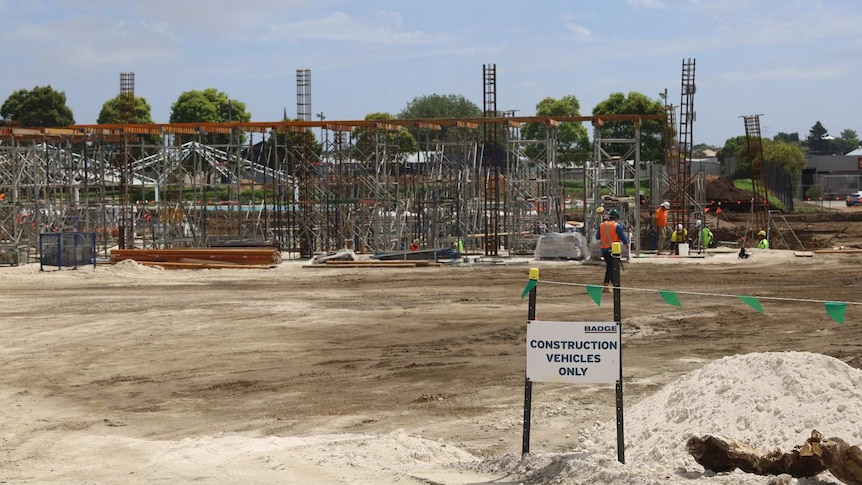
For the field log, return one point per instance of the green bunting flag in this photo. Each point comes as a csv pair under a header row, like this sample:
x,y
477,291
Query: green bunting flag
x,y
595,293
670,297
530,285
751,301
836,310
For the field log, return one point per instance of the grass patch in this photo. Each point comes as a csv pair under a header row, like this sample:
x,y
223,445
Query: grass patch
x,y
745,184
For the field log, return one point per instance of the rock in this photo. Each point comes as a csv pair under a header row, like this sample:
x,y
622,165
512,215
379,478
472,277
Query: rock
x,y
814,456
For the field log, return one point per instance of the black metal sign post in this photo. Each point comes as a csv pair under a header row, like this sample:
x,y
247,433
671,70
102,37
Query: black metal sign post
x,y
528,384
616,251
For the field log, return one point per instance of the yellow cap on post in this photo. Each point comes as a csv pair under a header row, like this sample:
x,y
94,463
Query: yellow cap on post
x,y
616,248
534,274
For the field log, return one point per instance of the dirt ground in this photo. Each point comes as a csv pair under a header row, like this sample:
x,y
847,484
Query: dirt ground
x,y
95,357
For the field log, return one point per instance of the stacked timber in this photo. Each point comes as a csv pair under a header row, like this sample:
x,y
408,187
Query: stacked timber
x,y
201,258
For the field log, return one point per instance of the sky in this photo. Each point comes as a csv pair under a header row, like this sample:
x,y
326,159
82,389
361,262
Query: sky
x,y
792,62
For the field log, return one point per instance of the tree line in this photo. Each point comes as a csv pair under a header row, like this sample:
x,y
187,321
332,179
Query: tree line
x,y
43,106
789,150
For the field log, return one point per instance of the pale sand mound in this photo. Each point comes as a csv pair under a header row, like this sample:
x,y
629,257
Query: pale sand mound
x,y
770,400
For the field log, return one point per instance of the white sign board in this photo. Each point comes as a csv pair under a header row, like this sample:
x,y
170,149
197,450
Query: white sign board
x,y
573,352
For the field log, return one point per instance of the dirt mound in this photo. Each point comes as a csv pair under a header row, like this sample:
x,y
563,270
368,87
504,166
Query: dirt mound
x,y
720,188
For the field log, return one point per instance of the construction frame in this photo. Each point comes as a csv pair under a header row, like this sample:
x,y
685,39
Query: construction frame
x,y
168,185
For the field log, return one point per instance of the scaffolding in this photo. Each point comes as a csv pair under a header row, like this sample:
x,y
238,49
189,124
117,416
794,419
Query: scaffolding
x,y
684,190
606,179
272,183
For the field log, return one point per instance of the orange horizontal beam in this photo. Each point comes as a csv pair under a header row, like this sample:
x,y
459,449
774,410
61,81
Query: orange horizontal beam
x,y
300,126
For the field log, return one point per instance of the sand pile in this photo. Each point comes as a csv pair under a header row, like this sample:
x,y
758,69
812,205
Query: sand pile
x,y
130,266
770,400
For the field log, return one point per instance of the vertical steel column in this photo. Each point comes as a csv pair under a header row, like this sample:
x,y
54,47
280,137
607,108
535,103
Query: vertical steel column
x,y
681,209
304,169
303,94
759,191
491,164
127,114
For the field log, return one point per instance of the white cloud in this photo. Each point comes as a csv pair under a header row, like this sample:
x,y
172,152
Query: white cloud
x,y
803,73
93,41
378,27
214,18
647,4
580,32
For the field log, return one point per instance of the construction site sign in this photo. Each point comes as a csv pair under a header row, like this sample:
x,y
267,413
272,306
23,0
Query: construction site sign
x,y
573,352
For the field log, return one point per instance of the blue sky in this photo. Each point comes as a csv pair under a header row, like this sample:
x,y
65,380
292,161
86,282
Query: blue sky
x,y
794,62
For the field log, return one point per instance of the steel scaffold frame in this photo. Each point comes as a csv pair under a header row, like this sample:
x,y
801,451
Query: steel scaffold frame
x,y
183,192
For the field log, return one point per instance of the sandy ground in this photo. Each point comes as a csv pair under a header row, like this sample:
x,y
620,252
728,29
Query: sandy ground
x,y
130,374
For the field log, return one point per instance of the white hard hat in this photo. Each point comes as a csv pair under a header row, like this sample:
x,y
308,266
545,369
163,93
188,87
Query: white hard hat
x,y
665,204
698,222
679,227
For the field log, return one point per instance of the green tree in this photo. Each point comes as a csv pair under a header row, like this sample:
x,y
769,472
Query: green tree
x,y
573,142
284,150
374,143
110,113
652,147
818,142
847,142
791,138
210,106
730,148
791,157
786,155
38,108
436,106
142,114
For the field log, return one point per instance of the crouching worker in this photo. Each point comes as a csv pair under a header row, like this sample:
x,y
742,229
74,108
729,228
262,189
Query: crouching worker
x,y
610,231
680,235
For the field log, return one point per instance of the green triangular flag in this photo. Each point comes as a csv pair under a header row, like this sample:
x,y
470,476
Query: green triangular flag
x,y
836,310
595,293
530,285
669,297
751,301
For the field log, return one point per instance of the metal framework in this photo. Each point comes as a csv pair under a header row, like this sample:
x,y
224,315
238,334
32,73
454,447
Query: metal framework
x,y
606,178
492,160
683,189
759,191
127,115
684,197
303,94
276,186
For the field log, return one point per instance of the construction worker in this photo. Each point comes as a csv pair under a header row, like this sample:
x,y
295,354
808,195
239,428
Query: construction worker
x,y
705,236
414,246
660,223
680,235
459,246
763,243
609,232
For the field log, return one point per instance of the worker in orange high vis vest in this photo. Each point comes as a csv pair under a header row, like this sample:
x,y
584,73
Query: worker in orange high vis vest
x,y
610,231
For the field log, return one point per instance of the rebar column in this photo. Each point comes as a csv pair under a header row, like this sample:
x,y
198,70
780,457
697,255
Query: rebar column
x,y
303,94
754,149
127,115
491,161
